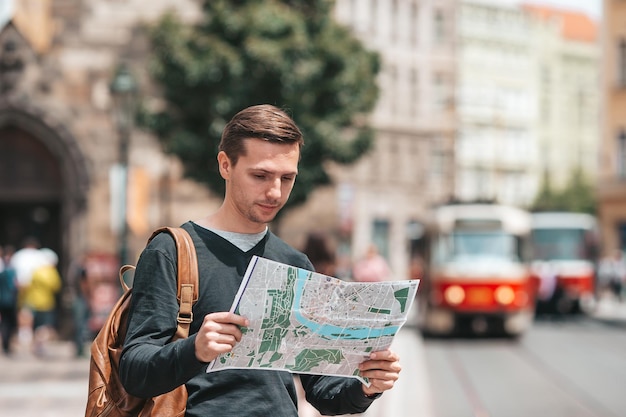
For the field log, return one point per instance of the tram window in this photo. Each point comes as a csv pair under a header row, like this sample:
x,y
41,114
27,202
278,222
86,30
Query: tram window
x,y
478,224
466,245
561,244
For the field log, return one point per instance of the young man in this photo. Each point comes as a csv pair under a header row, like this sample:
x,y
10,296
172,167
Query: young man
x,y
258,159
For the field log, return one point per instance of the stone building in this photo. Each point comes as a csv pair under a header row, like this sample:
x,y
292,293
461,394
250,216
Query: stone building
x,y
58,140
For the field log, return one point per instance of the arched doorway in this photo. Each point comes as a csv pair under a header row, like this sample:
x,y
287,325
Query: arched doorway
x,y
43,187
30,191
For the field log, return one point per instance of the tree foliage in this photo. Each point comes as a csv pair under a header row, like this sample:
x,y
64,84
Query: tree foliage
x,y
576,196
288,53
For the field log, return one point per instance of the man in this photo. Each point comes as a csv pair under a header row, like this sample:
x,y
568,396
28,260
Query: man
x,y
258,159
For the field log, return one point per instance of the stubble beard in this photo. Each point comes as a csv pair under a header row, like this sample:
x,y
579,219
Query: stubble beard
x,y
260,219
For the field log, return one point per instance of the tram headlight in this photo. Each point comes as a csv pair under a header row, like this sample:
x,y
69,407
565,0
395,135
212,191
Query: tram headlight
x,y
504,295
454,295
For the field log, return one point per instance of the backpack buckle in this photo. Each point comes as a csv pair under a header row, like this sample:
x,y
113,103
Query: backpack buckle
x,y
184,318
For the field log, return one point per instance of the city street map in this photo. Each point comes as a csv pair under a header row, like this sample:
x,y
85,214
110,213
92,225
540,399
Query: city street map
x,y
305,322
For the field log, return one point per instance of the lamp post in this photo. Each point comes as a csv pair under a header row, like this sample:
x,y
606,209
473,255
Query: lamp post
x,y
123,91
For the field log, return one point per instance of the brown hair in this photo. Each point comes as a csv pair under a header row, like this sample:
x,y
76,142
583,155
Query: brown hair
x,y
264,122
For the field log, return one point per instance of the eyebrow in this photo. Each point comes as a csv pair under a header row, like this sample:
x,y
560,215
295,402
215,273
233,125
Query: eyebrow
x,y
267,171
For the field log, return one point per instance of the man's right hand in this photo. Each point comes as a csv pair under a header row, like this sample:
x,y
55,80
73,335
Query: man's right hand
x,y
219,333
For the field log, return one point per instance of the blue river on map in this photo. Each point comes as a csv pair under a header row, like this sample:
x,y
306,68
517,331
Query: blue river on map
x,y
335,332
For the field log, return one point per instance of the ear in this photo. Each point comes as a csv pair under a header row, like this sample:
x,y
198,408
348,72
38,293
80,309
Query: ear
x,y
224,164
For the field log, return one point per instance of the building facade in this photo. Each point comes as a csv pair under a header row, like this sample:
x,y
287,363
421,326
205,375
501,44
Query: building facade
x,y
60,147
385,197
528,101
496,157
58,140
567,71
611,185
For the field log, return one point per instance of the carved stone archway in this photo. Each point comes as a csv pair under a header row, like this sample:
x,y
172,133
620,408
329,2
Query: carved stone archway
x,y
59,179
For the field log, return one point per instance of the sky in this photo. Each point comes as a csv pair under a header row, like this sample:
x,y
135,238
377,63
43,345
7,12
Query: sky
x,y
591,7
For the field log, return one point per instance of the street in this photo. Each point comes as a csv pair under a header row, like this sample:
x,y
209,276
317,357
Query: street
x,y
560,368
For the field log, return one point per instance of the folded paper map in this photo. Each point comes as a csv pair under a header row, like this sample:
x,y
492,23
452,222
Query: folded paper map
x,y
305,322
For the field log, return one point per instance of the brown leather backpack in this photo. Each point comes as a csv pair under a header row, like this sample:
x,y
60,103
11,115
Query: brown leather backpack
x,y
107,396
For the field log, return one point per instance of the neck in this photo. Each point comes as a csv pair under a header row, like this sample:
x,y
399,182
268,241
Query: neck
x,y
220,220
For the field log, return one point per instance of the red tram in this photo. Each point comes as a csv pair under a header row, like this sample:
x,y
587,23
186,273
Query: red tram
x,y
565,249
478,276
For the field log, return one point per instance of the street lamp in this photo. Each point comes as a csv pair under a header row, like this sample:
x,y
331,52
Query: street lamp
x,y
123,91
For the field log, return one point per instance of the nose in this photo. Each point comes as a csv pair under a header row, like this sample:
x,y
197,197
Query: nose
x,y
274,192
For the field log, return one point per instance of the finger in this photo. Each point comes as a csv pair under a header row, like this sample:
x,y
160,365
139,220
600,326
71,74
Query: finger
x,y
380,382
215,331
227,317
377,376
225,339
382,365
386,355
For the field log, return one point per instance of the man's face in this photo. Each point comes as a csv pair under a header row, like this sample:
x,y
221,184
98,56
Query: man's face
x,y
258,186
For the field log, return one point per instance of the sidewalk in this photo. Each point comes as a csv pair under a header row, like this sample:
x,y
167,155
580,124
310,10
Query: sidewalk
x,y
52,386
610,310
56,386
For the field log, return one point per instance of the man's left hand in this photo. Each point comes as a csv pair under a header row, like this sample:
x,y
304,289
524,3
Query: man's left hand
x,y
382,369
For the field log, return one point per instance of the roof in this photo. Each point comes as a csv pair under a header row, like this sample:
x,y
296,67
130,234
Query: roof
x,y
575,26
563,220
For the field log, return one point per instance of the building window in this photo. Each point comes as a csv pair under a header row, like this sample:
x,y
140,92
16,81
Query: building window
x,y
441,92
437,159
374,17
414,95
380,236
440,30
621,155
395,16
621,231
621,62
393,87
414,24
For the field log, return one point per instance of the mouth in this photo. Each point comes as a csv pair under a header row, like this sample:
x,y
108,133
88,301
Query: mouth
x,y
269,207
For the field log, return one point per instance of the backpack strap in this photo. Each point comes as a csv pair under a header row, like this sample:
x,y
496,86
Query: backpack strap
x,y
187,278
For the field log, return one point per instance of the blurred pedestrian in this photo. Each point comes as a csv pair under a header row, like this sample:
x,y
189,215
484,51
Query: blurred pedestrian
x,y
612,272
80,290
548,292
416,267
25,261
40,299
8,301
318,250
372,267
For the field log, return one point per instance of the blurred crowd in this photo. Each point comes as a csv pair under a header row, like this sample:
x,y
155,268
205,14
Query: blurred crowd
x,y
29,285
612,275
